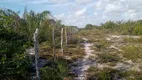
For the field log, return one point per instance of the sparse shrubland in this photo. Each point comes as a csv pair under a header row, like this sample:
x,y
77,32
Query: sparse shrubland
x,y
16,36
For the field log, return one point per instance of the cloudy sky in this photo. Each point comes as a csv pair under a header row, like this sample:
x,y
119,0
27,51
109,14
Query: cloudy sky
x,y
81,12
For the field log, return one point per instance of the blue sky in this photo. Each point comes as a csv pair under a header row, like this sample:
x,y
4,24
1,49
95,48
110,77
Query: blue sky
x,y
81,12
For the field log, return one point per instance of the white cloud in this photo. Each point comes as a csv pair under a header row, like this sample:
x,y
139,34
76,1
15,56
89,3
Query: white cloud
x,y
81,12
48,1
84,1
35,1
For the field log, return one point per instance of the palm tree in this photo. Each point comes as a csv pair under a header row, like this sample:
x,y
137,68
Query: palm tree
x,y
34,21
9,18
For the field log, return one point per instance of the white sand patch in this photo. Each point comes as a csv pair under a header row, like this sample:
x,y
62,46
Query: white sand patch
x,y
31,51
114,47
84,64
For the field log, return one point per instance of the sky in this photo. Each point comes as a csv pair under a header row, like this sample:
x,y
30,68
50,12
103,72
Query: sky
x,y
81,12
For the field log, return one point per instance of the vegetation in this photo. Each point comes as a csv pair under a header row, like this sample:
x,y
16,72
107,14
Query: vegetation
x,y
102,44
107,57
13,61
16,36
132,52
57,70
133,40
112,74
120,27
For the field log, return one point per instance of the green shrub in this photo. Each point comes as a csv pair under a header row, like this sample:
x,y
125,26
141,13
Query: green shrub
x,y
104,74
137,30
57,71
14,63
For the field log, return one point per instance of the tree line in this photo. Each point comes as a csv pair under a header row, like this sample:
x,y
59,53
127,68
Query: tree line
x,y
122,27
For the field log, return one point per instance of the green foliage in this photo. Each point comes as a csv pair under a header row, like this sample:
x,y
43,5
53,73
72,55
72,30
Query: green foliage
x,y
13,62
109,24
137,30
16,35
121,27
58,70
90,26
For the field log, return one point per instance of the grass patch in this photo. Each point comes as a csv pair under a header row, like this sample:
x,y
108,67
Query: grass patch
x,y
58,70
132,52
102,44
133,40
95,73
107,57
133,75
104,74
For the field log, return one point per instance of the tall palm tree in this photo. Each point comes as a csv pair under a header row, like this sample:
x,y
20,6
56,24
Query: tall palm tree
x,y
34,20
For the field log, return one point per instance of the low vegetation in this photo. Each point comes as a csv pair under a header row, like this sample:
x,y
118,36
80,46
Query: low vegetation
x,y
106,73
133,40
108,57
132,52
58,70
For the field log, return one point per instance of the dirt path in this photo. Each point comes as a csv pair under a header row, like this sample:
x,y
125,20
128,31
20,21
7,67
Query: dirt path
x,y
83,64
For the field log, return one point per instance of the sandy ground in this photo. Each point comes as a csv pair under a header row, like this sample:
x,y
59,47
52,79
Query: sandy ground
x,y
83,64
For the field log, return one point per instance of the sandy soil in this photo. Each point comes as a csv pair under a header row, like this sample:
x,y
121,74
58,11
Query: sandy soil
x,y
83,64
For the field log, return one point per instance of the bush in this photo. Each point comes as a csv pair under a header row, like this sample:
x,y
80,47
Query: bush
x,y
57,71
14,63
137,30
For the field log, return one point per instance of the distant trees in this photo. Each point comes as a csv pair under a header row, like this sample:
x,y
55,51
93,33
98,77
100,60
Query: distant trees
x,y
122,27
90,26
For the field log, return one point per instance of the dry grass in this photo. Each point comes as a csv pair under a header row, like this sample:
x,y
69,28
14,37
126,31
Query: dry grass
x,y
106,73
108,57
132,40
132,52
